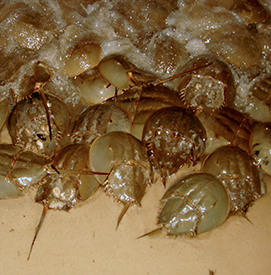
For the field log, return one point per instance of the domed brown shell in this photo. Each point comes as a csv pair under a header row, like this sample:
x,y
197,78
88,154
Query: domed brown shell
x,y
173,137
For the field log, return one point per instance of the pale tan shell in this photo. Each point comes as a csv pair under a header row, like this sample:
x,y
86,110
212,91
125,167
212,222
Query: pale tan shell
x,y
93,87
194,204
118,71
125,159
85,55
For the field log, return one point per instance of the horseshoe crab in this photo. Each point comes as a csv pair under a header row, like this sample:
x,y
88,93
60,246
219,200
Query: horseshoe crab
x,y
19,170
122,74
114,73
38,119
208,89
68,183
83,55
125,160
251,11
61,184
193,204
140,105
93,88
98,120
235,168
29,121
173,137
230,124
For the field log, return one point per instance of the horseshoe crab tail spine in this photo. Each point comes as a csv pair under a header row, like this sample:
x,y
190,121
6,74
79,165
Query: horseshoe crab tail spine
x,y
150,233
82,172
244,215
122,213
181,74
45,208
